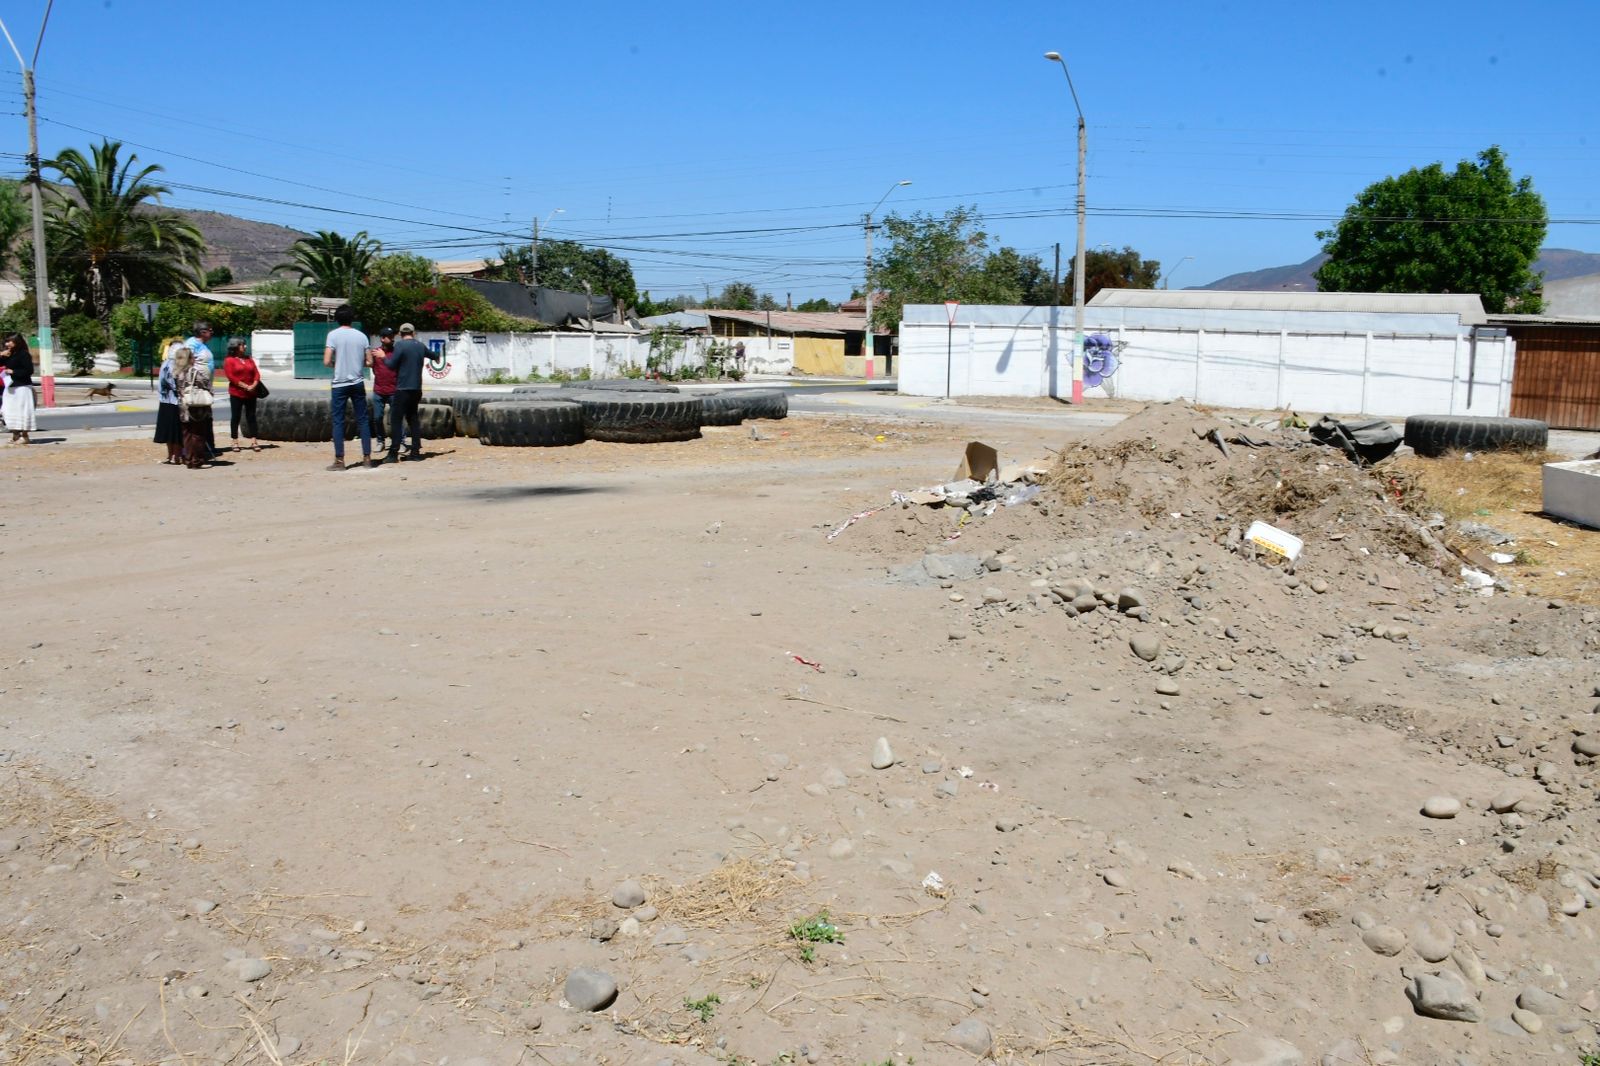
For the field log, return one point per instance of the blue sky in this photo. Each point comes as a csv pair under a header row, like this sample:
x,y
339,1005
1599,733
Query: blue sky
x,y
716,142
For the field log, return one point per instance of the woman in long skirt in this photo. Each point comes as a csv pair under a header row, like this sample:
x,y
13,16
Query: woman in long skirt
x,y
194,390
169,412
16,407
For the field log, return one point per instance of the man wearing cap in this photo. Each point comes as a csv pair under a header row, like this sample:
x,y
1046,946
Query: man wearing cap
x,y
406,361
382,385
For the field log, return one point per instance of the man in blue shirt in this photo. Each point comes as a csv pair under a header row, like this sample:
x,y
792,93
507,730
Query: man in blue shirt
x,y
347,354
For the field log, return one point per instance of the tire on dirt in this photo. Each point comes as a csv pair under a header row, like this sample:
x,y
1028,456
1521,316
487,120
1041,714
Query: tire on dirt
x,y
531,423
303,419
1433,435
436,420
638,418
764,403
533,391
621,385
720,408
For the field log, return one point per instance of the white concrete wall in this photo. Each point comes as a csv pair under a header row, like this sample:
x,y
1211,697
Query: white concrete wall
x,y
1348,373
273,348
472,357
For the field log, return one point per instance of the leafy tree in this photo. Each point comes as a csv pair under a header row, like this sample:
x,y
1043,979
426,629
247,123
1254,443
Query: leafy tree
x,y
1474,229
13,221
222,275
736,296
1008,271
404,267
819,304
330,264
280,304
767,302
104,237
931,259
1106,269
566,265
82,338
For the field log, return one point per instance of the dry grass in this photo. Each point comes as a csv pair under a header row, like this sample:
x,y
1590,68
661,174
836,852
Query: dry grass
x,y
1504,490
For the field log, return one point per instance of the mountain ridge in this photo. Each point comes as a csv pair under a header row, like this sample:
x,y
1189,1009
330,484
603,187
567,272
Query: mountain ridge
x,y
1557,264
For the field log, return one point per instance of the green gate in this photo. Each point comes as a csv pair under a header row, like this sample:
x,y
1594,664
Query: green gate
x,y
310,341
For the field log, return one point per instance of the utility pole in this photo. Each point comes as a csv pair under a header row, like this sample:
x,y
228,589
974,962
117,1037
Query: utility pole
x,y
1055,290
533,265
1078,264
41,280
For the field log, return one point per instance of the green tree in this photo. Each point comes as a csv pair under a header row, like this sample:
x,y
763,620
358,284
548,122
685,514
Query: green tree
x,y
281,303
13,221
330,264
566,265
819,304
222,275
1473,229
736,296
105,238
1104,268
1009,272
929,259
405,268
82,338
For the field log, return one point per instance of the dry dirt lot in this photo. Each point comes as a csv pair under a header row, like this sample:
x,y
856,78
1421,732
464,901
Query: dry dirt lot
x,y
299,767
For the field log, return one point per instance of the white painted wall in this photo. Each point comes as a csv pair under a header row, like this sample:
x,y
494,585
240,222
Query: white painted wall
x,y
273,348
1344,372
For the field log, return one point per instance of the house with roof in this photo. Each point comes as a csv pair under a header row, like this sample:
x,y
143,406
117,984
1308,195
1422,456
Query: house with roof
x,y
821,343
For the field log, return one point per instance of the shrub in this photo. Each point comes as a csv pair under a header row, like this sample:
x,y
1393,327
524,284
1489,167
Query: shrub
x,y
82,338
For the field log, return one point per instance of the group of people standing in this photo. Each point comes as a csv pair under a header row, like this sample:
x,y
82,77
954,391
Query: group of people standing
x,y
396,366
184,420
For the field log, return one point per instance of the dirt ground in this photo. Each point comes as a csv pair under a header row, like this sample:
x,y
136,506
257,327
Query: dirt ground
x,y
300,767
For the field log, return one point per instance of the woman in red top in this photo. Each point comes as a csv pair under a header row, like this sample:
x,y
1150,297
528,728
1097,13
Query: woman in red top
x,y
243,376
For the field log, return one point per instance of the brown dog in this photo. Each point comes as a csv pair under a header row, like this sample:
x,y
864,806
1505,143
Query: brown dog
x,y
103,391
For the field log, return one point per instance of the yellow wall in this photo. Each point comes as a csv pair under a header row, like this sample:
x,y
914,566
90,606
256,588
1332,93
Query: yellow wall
x,y
823,356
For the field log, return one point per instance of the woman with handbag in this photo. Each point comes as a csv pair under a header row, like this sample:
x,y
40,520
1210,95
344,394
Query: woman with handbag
x,y
193,379
16,405
244,386
169,412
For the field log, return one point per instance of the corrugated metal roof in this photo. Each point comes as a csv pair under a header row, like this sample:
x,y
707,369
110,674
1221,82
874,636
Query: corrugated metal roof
x,y
461,267
831,322
678,320
1466,306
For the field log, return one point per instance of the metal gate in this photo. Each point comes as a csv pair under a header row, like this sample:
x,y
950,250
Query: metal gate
x,y
310,341
1557,376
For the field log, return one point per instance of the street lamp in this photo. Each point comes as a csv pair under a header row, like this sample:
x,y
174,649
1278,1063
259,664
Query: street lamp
x,y
1173,270
1078,269
41,282
533,265
868,349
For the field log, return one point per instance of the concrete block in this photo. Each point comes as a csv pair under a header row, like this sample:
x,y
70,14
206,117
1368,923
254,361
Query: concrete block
x,y
1572,491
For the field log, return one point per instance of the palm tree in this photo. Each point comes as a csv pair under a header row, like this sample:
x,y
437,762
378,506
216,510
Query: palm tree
x,y
331,264
105,237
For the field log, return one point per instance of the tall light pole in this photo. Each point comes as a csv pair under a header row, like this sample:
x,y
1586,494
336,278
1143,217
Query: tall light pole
x,y
1078,268
1173,270
41,280
533,266
868,349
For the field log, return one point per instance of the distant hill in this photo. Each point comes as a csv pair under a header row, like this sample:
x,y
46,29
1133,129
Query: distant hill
x,y
249,249
1557,264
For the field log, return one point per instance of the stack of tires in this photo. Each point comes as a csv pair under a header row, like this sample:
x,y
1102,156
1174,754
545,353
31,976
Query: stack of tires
x,y
620,410
309,419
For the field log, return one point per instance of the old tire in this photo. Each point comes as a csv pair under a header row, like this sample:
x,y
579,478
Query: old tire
x,y
621,385
638,418
531,423
720,408
1433,435
436,420
531,392
302,419
764,403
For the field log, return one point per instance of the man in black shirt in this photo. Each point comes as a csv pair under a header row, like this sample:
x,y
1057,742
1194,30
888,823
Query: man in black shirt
x,y
406,361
